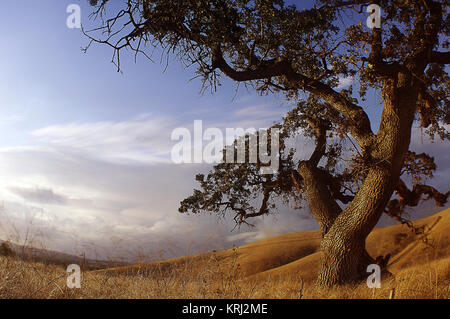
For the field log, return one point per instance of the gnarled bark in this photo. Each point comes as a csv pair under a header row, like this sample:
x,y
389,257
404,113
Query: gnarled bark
x,y
345,259
322,204
268,57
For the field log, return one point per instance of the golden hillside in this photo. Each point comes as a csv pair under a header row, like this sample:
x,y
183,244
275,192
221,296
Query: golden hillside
x,y
270,268
298,254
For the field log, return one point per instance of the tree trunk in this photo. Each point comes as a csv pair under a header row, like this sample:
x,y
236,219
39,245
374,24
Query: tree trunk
x,y
345,258
321,202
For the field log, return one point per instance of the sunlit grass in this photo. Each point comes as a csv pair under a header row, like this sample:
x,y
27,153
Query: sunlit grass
x,y
25,279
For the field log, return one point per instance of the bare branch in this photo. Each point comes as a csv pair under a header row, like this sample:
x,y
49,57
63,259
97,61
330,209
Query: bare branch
x,y
440,57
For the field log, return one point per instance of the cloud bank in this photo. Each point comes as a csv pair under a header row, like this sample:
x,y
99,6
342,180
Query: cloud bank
x,y
110,190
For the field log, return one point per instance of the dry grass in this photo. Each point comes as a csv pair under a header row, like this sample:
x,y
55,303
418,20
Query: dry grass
x,y
19,279
266,269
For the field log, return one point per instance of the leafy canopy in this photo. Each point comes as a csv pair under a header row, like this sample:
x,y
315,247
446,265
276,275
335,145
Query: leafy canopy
x,y
303,54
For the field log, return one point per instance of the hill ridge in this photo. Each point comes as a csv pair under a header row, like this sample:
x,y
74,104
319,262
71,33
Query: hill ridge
x,y
299,253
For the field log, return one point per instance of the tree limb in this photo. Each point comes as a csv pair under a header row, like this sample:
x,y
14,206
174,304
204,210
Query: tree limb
x,y
440,57
359,120
412,197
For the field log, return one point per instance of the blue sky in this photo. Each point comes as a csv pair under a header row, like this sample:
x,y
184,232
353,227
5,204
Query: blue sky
x,y
82,146
48,78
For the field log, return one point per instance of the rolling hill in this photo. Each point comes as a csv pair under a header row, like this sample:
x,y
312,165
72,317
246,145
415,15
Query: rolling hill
x,y
270,268
47,256
299,253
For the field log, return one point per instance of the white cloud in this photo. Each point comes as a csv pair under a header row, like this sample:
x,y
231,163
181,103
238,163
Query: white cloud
x,y
91,187
287,221
259,112
40,195
344,82
88,202
142,139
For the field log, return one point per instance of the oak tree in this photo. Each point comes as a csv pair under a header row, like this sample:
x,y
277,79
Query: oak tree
x,y
355,172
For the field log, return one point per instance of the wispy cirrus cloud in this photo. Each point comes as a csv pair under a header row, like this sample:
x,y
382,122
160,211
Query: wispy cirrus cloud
x,y
261,111
143,138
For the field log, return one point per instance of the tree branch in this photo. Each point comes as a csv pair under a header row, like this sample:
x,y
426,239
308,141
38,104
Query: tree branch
x,y
440,57
359,121
242,215
413,197
429,35
320,127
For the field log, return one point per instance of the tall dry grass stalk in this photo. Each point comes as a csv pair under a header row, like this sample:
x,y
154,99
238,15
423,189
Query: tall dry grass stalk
x,y
22,279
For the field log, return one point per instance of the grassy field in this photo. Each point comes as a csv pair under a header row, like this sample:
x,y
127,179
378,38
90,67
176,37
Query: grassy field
x,y
273,268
